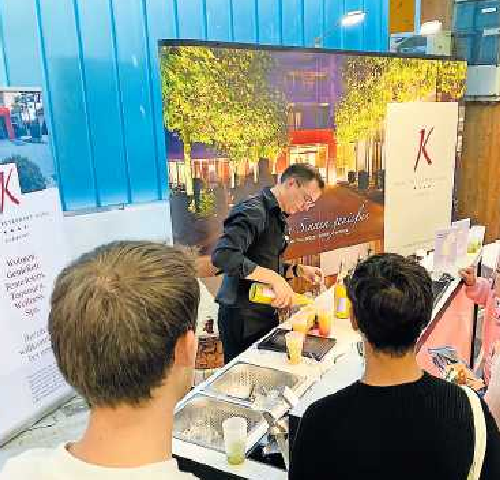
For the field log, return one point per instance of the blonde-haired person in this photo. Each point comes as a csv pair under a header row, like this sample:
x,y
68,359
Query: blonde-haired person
x,y
122,326
486,292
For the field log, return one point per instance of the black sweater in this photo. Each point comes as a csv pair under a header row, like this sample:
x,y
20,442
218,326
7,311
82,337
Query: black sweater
x,y
422,430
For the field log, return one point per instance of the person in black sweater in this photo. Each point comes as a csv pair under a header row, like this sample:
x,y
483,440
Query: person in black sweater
x,y
397,422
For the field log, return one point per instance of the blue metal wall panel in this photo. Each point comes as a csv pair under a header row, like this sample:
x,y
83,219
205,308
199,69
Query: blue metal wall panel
x,y
383,12
372,23
97,61
137,93
162,23
334,10
293,22
314,11
104,103
270,22
245,26
68,107
190,17
218,20
353,35
376,37
4,80
19,23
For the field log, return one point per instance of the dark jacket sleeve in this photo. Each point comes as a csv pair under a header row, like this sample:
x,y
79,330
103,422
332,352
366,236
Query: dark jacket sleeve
x,y
491,466
241,228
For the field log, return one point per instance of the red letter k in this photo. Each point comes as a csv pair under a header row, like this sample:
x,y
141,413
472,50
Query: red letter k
x,y
4,186
423,147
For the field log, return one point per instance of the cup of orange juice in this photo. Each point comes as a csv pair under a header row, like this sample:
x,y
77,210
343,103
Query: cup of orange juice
x,y
325,320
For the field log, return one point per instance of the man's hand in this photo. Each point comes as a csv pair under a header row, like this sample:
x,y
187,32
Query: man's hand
x,y
468,276
283,293
311,274
282,290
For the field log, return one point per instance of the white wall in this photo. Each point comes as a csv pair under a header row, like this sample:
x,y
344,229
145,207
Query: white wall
x,y
150,221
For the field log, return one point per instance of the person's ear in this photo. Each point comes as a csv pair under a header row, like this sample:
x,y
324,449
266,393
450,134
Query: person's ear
x,y
185,350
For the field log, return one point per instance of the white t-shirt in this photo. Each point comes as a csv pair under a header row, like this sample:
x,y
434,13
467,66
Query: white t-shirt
x,y
59,464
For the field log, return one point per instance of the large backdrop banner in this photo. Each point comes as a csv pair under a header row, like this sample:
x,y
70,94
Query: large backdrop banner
x,y
236,116
32,253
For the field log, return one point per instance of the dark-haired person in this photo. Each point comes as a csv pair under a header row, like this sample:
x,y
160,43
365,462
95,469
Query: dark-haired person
x,y
122,327
250,249
397,422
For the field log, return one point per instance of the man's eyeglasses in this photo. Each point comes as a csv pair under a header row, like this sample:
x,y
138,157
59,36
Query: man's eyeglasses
x,y
308,200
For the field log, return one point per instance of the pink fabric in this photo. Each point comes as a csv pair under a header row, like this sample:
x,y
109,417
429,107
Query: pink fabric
x,y
483,294
493,394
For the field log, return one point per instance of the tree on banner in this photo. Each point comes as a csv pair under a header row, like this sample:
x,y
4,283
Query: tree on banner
x,y
222,98
371,83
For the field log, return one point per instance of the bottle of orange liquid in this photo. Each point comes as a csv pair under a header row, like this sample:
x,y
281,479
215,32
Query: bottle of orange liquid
x,y
341,301
264,294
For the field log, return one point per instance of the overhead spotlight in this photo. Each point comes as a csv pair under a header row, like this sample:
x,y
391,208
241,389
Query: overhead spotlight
x,y
353,18
431,28
348,20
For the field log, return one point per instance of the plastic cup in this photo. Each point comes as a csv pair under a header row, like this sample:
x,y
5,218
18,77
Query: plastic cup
x,y
310,312
325,318
235,439
294,344
300,323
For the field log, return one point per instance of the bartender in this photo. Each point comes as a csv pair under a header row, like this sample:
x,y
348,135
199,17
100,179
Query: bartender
x,y
250,249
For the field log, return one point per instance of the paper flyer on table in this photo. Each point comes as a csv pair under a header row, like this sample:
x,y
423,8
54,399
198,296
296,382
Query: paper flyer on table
x,y
445,254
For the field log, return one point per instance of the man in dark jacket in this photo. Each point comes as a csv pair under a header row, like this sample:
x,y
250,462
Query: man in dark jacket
x,y
255,236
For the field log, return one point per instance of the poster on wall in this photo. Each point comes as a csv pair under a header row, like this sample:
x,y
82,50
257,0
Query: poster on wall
x,y
32,252
236,116
421,143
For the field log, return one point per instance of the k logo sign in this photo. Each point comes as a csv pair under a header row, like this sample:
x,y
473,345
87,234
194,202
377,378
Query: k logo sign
x,y
422,150
10,192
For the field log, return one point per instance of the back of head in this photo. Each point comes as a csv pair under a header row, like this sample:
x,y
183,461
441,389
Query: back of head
x,y
116,316
392,302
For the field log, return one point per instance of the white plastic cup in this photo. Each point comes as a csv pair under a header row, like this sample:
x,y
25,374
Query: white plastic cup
x,y
235,439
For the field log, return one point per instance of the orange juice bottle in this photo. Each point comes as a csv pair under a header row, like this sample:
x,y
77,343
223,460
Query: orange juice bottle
x,y
341,302
264,294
